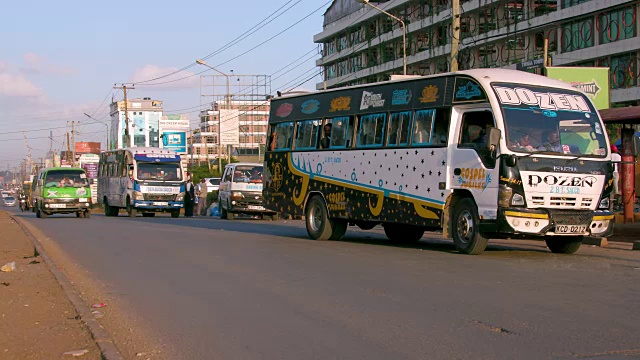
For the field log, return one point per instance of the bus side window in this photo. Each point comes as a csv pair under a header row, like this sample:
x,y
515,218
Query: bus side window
x,y
371,130
341,127
399,129
422,127
281,136
441,126
307,134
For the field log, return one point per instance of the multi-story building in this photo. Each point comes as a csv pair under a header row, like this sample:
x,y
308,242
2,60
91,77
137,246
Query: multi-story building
x,y
144,118
363,45
249,117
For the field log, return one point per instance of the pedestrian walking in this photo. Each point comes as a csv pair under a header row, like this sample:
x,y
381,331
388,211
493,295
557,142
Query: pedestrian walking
x,y
202,192
189,197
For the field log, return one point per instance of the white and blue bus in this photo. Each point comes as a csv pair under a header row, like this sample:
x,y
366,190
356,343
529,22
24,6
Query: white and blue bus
x,y
143,180
478,154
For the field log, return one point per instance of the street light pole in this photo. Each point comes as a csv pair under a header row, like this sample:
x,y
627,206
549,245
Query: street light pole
x,y
228,103
103,123
404,33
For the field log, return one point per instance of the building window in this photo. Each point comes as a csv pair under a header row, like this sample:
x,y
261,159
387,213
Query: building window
x,y
623,71
570,3
617,25
577,35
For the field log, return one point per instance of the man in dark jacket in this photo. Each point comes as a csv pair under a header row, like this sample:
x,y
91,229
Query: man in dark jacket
x,y
189,197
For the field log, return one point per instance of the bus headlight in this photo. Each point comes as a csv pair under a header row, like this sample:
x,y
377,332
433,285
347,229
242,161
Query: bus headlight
x,y
180,197
604,203
504,196
236,195
137,195
517,200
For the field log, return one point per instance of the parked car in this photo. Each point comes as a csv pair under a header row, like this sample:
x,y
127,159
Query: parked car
x,y
241,191
212,184
9,201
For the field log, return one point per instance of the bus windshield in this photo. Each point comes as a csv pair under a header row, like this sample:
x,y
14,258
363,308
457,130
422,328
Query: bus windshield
x,y
550,121
66,178
159,171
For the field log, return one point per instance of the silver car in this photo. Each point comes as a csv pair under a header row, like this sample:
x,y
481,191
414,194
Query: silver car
x,y
9,201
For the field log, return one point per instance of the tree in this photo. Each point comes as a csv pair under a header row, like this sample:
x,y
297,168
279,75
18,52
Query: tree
x,y
202,171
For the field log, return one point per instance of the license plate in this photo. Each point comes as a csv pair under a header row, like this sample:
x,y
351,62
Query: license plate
x,y
160,203
254,207
57,206
571,229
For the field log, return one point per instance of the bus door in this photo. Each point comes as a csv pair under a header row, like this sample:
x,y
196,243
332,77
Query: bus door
x,y
471,166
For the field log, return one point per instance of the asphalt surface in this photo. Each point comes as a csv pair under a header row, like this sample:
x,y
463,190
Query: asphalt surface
x,y
254,289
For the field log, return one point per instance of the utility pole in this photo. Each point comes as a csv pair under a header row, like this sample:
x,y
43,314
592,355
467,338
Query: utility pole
x,y
126,114
73,147
68,148
455,31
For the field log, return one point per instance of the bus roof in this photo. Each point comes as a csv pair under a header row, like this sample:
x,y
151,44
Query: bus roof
x,y
483,76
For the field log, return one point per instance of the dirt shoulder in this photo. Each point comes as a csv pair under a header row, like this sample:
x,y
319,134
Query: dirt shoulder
x,y
37,319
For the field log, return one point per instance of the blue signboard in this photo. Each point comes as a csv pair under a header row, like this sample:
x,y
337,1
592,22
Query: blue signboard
x,y
175,140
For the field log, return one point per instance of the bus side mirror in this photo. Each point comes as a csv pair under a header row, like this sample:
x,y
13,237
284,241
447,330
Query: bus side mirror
x,y
494,141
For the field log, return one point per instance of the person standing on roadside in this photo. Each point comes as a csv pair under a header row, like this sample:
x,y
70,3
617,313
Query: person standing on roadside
x,y
189,197
616,159
202,192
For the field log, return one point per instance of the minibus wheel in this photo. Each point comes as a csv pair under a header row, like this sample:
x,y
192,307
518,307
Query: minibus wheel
x,y
465,228
319,225
563,244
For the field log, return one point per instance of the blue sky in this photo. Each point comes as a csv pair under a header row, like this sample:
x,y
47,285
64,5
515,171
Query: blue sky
x,y
62,59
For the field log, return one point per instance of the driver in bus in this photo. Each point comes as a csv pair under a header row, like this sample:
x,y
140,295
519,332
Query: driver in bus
x,y
325,142
256,176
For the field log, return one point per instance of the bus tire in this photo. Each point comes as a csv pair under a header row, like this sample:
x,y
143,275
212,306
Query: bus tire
x,y
319,226
563,244
466,235
79,214
339,229
403,233
148,214
87,214
38,213
131,211
107,209
175,213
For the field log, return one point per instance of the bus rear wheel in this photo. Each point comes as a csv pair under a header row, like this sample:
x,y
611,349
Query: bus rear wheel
x,y
562,244
466,233
319,225
403,233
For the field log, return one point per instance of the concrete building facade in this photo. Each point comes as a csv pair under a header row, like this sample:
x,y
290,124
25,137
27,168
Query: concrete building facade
x,y
248,116
144,123
361,45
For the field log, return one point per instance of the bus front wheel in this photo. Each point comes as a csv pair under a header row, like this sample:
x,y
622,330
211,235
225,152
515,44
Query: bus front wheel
x,y
130,209
175,213
319,225
563,245
466,235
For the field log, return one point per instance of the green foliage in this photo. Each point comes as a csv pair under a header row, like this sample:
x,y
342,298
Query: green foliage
x,y
212,197
613,130
202,171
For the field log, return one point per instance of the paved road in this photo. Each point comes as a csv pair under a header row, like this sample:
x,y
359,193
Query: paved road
x,y
251,289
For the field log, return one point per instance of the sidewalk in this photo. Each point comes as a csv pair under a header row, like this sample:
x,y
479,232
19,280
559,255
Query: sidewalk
x,y
629,232
38,321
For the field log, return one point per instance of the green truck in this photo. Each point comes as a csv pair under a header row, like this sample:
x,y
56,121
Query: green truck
x,y
63,190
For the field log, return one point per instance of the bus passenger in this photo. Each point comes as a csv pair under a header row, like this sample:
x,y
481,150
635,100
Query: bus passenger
x,y
325,142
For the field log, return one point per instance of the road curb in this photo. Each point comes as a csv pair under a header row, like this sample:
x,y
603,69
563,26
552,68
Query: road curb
x,y
106,345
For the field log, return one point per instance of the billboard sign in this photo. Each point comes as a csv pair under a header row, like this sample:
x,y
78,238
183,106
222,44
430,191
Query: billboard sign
x,y
229,126
83,147
593,81
175,140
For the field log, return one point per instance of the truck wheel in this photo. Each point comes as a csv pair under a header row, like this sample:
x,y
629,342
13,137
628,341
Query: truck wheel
x,y
131,211
403,233
107,209
466,234
563,244
87,214
175,213
148,214
79,214
319,226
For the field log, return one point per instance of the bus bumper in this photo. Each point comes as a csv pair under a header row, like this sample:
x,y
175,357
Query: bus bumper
x,y
537,222
158,206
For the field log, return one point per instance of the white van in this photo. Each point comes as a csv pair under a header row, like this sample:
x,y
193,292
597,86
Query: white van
x,y
240,191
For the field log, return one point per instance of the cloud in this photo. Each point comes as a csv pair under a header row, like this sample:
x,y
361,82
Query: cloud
x,y
35,64
18,86
180,80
